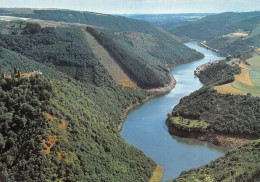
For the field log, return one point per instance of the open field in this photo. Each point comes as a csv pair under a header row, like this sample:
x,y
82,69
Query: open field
x,y
237,34
190,123
248,81
227,89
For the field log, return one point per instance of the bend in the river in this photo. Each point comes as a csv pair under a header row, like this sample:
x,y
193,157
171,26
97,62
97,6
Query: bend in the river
x,y
145,126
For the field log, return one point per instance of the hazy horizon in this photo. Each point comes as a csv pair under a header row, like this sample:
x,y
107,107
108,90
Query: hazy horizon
x,y
139,6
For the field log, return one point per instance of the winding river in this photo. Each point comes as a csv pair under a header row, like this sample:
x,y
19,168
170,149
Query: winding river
x,y
145,126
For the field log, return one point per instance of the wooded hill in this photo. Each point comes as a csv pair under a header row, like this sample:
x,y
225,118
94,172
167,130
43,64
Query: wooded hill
x,y
232,114
148,59
66,48
54,128
63,126
240,164
230,33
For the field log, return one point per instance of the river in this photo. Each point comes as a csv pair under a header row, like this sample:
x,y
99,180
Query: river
x,y
145,126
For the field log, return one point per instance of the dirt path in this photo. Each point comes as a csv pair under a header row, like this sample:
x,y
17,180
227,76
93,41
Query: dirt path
x,y
109,63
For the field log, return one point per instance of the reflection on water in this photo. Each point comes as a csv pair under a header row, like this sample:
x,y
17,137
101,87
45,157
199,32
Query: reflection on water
x,y
195,142
145,126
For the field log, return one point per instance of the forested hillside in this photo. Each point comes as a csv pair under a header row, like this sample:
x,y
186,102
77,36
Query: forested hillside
x,y
67,49
147,64
62,126
241,164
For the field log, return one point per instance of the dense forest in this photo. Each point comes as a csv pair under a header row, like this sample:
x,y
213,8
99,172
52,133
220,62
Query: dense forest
x,y
150,72
62,126
63,48
144,74
218,73
22,126
240,164
225,113
80,131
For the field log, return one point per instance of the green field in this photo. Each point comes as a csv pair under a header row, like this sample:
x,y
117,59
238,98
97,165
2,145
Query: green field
x,y
248,81
190,123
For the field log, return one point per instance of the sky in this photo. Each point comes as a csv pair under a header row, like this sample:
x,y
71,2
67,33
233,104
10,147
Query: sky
x,y
140,6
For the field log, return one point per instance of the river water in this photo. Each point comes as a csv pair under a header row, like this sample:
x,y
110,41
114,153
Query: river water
x,y
145,126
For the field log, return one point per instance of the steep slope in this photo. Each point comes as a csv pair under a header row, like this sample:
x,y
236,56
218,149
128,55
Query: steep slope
x,y
212,25
145,59
55,128
241,164
112,66
67,49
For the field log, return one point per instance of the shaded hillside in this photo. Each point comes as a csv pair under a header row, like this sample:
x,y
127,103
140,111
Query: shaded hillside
x,y
241,164
118,23
162,50
212,25
146,58
113,67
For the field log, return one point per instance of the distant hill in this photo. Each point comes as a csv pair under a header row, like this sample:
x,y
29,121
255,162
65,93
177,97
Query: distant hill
x,y
212,25
240,37
118,23
168,21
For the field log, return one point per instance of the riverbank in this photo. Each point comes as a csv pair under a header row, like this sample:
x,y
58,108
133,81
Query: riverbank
x,y
155,93
145,127
203,44
224,140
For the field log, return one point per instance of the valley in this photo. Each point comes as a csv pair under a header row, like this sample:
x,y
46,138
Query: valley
x,y
102,110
